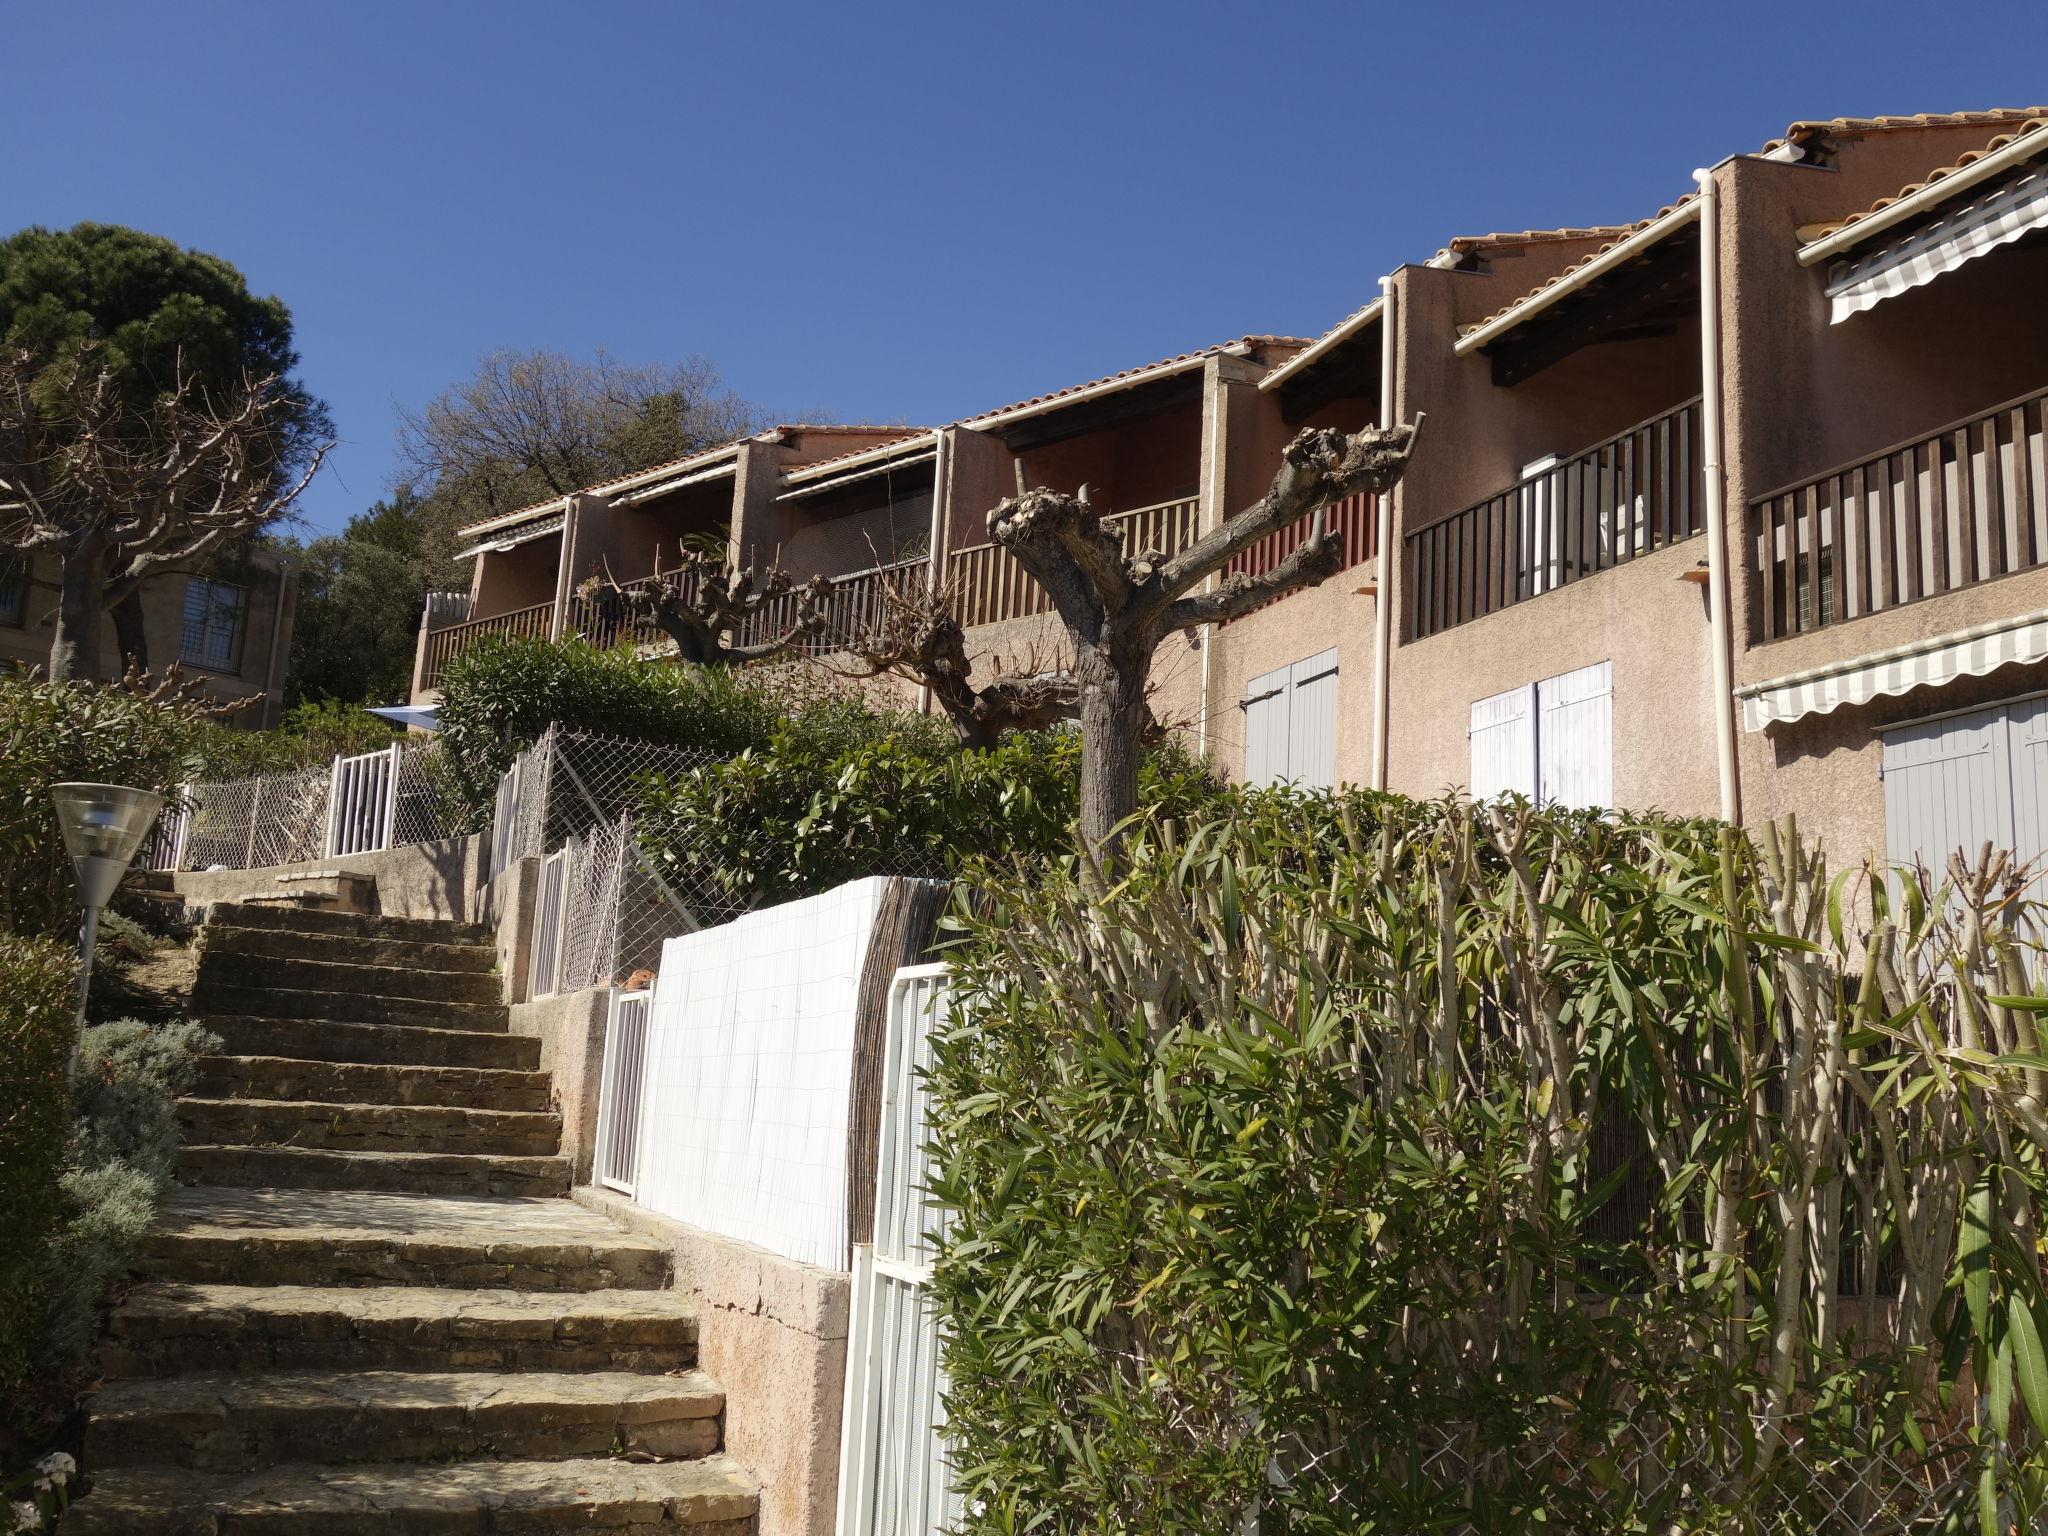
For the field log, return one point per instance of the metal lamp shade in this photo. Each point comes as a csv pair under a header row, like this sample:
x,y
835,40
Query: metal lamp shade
x,y
104,821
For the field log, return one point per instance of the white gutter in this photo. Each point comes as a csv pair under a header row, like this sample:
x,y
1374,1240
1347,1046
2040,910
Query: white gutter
x,y
819,487
1527,309
2022,149
1350,326
1708,210
1383,600
1096,391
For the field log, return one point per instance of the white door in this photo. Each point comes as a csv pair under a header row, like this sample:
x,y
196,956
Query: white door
x,y
894,1475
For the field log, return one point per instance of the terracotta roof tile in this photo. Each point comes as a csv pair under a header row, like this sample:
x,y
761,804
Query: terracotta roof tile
x,y
905,437
1241,343
1801,132
2037,125
1461,245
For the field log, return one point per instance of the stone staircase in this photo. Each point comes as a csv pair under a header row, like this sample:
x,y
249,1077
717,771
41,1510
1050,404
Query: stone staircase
x,y
367,1307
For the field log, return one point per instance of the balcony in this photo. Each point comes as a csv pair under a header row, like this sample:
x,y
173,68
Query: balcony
x,y
450,641
989,586
1355,520
1639,491
1949,510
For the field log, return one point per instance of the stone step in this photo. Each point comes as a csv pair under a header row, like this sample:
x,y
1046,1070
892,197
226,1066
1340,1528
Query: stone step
x,y
165,1328
291,944
711,1497
351,924
219,1423
280,1237
405,1045
235,969
348,1082
267,1002
426,1173
436,1128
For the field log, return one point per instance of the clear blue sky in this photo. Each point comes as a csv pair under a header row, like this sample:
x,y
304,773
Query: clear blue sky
x,y
892,212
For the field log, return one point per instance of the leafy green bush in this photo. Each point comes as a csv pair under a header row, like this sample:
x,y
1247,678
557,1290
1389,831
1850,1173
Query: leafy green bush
x,y
497,698
54,732
799,815
308,735
1355,1164
37,977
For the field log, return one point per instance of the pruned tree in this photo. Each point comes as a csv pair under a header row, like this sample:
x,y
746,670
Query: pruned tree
x,y
915,634
120,491
718,615
1116,608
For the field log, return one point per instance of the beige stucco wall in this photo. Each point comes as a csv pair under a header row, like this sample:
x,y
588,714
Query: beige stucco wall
x,y
772,1333
519,578
1294,629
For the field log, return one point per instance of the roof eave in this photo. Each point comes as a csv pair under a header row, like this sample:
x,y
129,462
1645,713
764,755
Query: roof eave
x,y
1016,413
1596,267
1335,337
2025,147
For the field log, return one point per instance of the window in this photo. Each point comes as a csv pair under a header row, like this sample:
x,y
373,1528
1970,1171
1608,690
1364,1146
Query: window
x,y
212,630
1290,724
1551,741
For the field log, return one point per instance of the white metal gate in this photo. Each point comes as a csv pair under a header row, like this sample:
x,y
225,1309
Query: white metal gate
x,y
620,1097
544,965
894,1476
362,802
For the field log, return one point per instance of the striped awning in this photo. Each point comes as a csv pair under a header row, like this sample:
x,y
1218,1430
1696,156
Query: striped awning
x,y
511,538
1881,674
1998,215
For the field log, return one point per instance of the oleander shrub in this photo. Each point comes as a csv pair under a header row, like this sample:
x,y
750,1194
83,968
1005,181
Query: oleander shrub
x,y
1359,1164
309,735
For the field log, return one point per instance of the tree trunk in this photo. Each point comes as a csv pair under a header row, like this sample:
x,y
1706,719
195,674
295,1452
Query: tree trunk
x,y
75,646
130,638
1112,683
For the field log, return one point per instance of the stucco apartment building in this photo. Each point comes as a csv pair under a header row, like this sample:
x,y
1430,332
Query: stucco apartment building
x,y
1739,509
229,628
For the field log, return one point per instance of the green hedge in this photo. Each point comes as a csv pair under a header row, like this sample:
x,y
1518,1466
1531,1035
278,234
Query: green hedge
x,y
54,732
308,735
37,977
1365,1165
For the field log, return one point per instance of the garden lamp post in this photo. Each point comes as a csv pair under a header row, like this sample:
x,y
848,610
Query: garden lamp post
x,y
104,825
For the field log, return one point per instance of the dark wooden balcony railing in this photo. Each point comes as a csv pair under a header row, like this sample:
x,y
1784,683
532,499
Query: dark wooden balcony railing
x,y
1963,505
990,586
444,645
1638,491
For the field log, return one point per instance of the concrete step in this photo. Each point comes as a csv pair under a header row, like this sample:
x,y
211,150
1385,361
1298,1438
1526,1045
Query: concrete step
x,y
344,1040
268,1002
426,1173
342,1082
281,1237
350,924
711,1497
165,1328
291,944
234,969
218,1423
327,889
307,1124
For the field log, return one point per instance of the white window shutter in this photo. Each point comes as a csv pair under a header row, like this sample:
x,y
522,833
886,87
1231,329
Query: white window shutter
x,y
1504,744
1575,734
1947,786
1312,721
1266,728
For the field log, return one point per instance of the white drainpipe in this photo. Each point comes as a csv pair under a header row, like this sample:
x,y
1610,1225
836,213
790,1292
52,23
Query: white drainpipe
x,y
1383,605
1717,512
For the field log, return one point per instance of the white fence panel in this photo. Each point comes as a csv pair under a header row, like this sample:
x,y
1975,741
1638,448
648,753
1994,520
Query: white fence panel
x,y
165,847
895,1478
505,817
749,1073
363,802
621,1093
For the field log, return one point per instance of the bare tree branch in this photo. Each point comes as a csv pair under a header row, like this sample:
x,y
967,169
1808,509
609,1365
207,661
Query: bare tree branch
x,y
711,610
